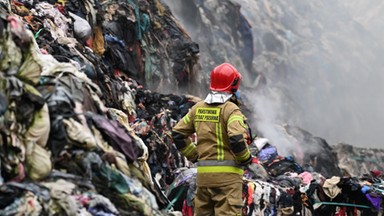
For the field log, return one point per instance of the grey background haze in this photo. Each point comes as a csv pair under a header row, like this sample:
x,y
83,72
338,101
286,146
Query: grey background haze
x,y
325,71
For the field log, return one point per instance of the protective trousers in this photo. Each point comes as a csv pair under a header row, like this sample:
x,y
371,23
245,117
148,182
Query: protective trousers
x,y
219,201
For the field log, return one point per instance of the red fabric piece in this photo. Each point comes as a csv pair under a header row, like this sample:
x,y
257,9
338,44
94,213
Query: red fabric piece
x,y
342,212
187,210
61,9
375,173
21,173
89,42
139,57
255,160
251,190
17,3
116,72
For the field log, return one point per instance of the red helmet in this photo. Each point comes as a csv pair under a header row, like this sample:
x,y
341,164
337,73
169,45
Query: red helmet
x,y
225,78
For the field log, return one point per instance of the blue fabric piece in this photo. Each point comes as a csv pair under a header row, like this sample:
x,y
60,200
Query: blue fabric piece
x,y
135,186
365,188
99,212
12,209
138,21
376,201
289,158
267,153
145,23
112,39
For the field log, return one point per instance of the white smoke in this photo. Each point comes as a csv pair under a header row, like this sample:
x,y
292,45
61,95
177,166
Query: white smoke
x,y
333,83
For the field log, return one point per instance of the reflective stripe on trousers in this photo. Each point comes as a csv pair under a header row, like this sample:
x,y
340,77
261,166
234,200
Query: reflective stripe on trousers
x,y
222,166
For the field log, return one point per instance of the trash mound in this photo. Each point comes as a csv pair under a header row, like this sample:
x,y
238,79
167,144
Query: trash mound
x,y
80,135
277,185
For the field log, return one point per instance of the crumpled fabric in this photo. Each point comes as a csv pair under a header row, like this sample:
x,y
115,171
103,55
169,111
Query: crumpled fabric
x,y
39,130
306,176
55,21
91,11
79,134
20,52
61,191
3,103
101,143
98,41
117,159
257,171
330,187
12,209
286,211
52,67
102,174
117,136
127,99
30,205
268,153
38,161
137,203
365,189
99,201
142,159
26,106
375,201
20,173
81,27
11,57
138,190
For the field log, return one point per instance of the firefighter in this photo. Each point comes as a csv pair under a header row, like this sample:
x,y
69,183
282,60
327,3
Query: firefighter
x,y
221,150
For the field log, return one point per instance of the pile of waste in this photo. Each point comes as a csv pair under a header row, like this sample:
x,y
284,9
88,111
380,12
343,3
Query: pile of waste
x,y
84,131
278,185
80,135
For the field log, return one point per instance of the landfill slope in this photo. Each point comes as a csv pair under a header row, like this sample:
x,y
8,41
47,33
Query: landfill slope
x,y
83,128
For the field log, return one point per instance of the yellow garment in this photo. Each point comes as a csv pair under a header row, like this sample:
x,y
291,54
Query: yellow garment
x,y
121,162
160,8
122,165
121,117
38,161
39,130
79,134
98,41
62,2
61,191
214,125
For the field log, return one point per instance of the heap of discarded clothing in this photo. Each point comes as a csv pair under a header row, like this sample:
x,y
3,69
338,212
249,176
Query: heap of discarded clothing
x,y
137,38
79,133
277,185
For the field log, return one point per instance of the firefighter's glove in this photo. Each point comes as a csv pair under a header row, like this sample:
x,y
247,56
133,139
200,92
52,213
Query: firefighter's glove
x,y
246,162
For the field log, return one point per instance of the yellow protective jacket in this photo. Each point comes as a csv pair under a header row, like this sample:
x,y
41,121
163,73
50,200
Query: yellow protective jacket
x,y
221,147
